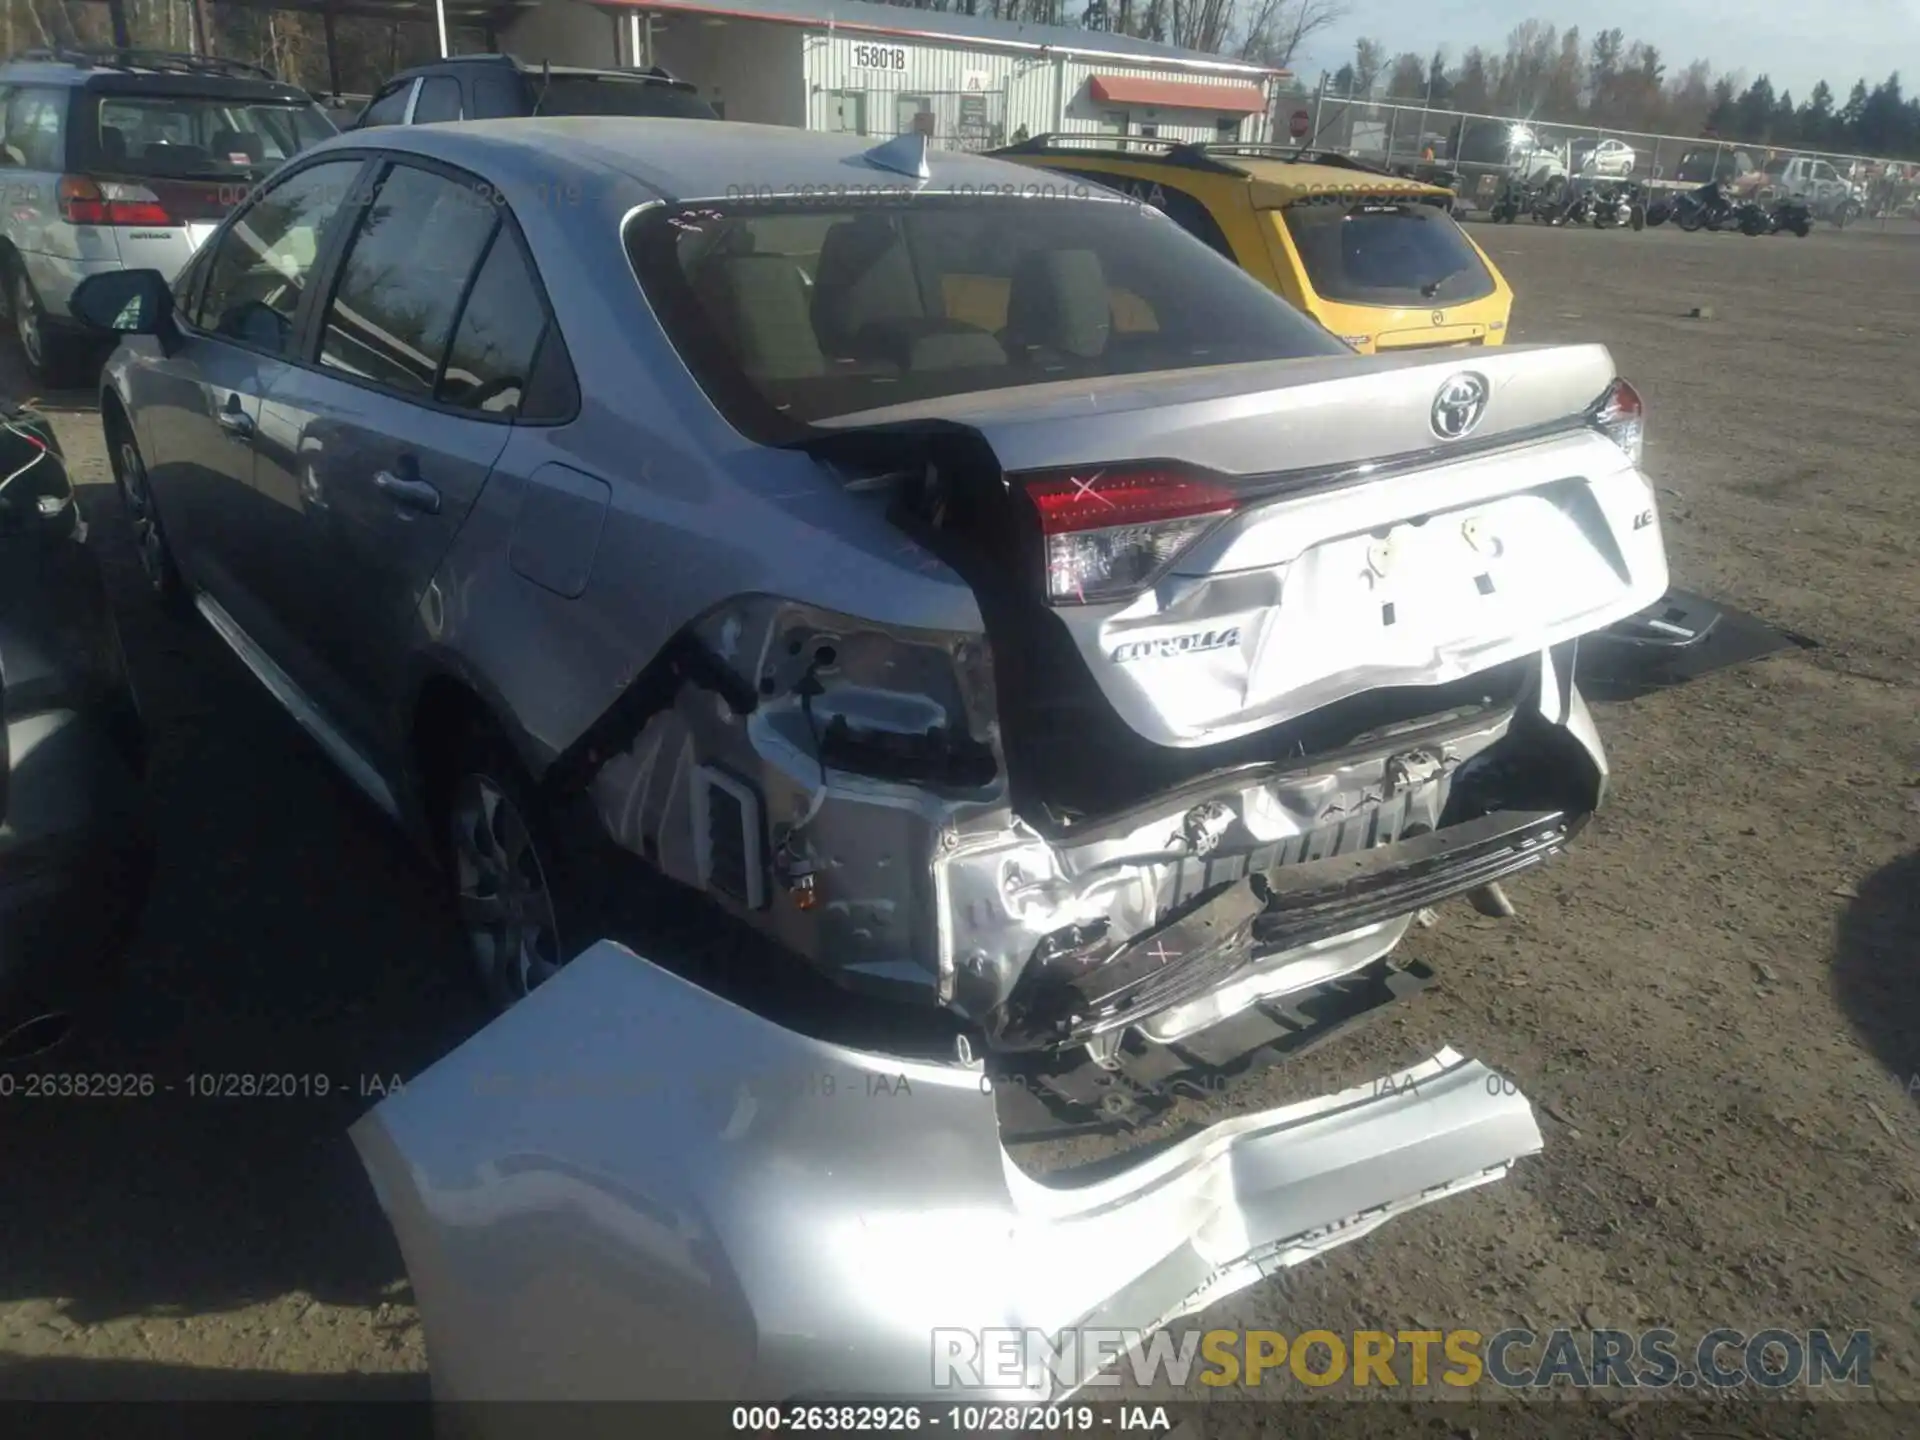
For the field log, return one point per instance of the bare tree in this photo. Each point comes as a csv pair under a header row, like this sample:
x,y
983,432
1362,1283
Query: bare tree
x,y
1369,59
1276,29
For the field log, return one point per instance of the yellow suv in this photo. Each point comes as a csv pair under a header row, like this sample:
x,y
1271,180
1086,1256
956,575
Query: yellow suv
x,y
1375,258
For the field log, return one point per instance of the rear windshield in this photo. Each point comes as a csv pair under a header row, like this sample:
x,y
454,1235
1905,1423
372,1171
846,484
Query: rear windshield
x,y
186,136
610,95
792,314
1386,254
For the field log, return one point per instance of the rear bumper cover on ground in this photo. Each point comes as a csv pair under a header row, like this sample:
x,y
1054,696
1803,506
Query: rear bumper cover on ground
x,y
627,1188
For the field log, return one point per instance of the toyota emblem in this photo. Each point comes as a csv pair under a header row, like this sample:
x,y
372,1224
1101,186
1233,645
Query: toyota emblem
x,y
1459,405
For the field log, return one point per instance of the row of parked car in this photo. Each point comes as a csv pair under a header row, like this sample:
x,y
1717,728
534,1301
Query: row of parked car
x,y
129,159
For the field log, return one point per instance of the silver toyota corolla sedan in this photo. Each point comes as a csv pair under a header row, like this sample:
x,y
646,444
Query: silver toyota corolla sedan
x,y
988,598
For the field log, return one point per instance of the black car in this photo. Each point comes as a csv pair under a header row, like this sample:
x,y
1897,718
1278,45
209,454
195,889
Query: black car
x,y
1708,164
500,87
76,848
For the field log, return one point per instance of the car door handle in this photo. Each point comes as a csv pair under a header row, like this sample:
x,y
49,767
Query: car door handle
x,y
237,423
414,494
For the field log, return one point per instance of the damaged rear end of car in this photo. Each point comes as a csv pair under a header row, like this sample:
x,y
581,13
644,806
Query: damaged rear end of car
x,y
1277,646
1145,662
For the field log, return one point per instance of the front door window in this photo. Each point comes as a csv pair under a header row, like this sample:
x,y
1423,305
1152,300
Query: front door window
x,y
258,275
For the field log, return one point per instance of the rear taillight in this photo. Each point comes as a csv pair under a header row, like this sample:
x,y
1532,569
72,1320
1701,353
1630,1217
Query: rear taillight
x,y
109,202
1111,531
1621,416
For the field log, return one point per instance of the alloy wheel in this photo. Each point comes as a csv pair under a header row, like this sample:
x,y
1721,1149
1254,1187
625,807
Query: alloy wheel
x,y
505,905
149,543
26,321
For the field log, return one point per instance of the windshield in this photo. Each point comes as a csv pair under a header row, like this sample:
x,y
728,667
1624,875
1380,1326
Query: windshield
x,y
1388,253
611,95
195,137
794,314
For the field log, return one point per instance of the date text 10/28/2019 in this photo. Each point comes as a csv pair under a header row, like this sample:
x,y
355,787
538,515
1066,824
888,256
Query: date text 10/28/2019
x,y
983,1419
207,1085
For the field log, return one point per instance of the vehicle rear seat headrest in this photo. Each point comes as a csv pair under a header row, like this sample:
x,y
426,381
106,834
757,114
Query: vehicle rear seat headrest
x,y
864,276
759,304
1058,300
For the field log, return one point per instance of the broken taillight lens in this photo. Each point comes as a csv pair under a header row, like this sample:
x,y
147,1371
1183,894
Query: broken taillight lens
x,y
109,202
1621,416
1111,531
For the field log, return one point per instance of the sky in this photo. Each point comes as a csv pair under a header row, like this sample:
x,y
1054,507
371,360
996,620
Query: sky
x,y
1795,44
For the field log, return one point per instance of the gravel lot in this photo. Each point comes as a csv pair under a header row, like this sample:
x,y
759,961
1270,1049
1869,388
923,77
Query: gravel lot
x,y
1714,1001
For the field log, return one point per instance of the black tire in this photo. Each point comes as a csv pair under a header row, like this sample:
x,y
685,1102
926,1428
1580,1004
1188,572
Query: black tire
x,y
1688,221
163,576
1638,217
520,879
56,361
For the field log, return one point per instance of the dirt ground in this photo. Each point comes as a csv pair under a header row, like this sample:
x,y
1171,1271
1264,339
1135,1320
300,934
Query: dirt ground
x,y
1714,1000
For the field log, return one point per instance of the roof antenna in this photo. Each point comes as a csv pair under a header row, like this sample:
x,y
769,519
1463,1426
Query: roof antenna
x,y
546,79
905,154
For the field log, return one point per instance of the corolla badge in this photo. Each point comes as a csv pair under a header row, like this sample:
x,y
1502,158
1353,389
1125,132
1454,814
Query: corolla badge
x,y
1193,642
1459,406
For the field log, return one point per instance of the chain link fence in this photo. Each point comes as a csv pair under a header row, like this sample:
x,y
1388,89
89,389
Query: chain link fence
x,y
1482,149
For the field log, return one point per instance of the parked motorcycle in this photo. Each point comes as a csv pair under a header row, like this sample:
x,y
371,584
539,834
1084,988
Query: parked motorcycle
x,y
1617,202
1708,208
1517,197
1788,216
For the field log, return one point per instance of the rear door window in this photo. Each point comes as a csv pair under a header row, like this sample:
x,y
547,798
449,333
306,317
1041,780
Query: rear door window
x,y
1386,253
406,268
439,100
491,359
594,95
496,97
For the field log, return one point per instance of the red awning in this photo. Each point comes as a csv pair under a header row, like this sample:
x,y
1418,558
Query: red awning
x,y
1176,94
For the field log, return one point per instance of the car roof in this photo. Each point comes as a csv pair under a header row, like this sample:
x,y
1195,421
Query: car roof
x,y
687,159
148,70
1272,170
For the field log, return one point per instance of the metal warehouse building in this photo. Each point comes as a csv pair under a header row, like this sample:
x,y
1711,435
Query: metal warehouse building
x,y
972,82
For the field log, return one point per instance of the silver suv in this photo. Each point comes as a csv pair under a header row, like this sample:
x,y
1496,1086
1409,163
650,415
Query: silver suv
x,y
125,159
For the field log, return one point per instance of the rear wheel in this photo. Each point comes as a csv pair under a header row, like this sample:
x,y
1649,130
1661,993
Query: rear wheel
x,y
515,874
54,360
149,536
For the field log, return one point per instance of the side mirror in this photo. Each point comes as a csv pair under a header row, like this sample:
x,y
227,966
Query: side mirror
x,y
131,302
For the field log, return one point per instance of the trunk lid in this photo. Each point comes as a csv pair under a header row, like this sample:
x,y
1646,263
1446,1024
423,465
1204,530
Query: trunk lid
x,y
1266,417
1357,549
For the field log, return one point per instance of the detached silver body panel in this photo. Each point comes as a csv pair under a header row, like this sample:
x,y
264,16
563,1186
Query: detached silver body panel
x,y
627,1188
